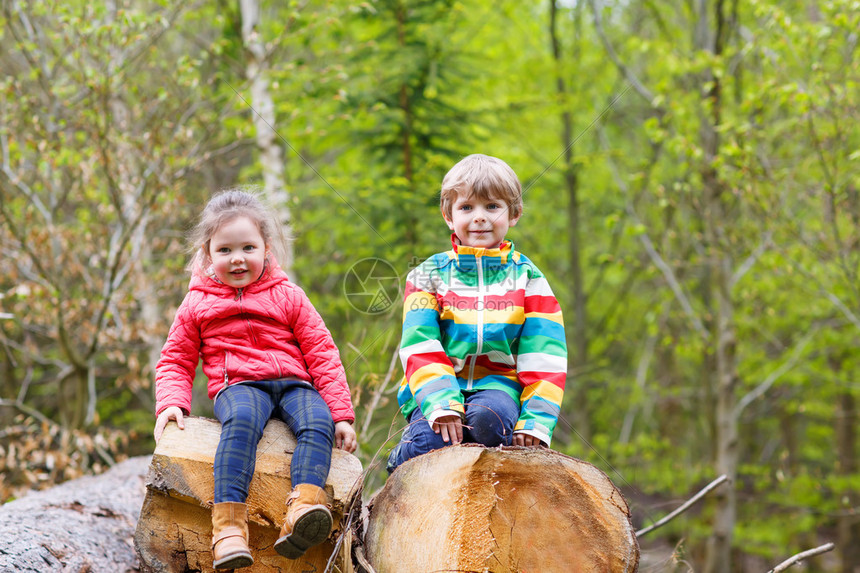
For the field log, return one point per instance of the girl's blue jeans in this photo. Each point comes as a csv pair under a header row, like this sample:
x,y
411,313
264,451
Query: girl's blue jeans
x,y
244,409
490,419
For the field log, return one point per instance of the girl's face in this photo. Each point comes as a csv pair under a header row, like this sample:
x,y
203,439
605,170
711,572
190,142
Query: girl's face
x,y
480,222
238,252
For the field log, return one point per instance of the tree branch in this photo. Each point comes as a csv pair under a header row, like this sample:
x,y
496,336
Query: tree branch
x,y
801,556
702,493
837,302
655,257
748,263
377,395
27,410
669,275
641,377
759,390
626,73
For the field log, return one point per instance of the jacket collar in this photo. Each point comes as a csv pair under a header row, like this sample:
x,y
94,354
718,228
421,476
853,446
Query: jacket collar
x,y
466,257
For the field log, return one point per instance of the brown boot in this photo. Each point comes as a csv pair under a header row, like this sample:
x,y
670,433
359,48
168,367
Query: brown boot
x,y
230,536
308,521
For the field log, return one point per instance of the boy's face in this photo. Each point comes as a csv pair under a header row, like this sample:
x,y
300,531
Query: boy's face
x,y
478,222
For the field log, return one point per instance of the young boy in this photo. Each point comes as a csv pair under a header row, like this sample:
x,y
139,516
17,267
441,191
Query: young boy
x,y
483,344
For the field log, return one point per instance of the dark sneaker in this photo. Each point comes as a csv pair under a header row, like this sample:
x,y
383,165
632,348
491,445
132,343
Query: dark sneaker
x,y
392,458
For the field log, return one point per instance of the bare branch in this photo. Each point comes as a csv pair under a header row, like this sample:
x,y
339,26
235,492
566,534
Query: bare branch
x,y
759,390
27,410
20,236
748,263
641,377
669,275
801,556
852,318
625,71
655,257
837,302
25,189
377,395
689,503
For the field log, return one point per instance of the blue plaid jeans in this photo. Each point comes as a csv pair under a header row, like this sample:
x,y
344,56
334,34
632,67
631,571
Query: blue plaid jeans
x,y
244,409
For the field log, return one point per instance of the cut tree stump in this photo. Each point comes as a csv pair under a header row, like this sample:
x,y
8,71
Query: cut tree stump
x,y
476,509
174,531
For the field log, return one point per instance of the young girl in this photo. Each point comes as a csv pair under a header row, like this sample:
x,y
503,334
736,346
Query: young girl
x,y
266,352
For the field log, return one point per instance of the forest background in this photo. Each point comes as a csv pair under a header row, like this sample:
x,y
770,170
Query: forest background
x,y
691,172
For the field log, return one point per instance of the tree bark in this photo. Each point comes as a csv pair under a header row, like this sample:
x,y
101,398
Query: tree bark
x,y
85,524
406,133
470,508
263,115
174,532
848,523
723,336
579,357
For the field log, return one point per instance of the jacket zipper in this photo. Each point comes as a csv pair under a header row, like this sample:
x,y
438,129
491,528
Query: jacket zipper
x,y
248,324
252,335
479,325
227,354
226,379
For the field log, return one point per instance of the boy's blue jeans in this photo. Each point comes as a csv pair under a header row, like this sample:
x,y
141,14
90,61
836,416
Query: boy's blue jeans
x,y
244,409
490,419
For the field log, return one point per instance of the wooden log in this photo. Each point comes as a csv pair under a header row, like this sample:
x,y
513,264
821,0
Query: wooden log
x,y
84,524
174,531
470,508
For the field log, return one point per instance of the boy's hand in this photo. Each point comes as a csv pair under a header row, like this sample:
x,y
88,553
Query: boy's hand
x,y
171,413
450,427
344,436
526,440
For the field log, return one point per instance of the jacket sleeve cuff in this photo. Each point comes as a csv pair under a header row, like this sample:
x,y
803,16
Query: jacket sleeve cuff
x,y
162,407
440,413
543,436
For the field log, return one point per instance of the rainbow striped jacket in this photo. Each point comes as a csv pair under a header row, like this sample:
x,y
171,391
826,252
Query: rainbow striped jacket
x,y
478,319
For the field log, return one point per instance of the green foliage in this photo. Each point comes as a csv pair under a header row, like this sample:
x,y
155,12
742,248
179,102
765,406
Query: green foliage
x,y
740,150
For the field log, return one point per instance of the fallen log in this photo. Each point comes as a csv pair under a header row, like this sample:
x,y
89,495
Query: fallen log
x,y
470,508
174,530
85,524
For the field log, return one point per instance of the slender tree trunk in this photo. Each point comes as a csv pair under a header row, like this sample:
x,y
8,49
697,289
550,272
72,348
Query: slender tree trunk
x,y
719,551
723,333
406,133
847,523
263,114
578,359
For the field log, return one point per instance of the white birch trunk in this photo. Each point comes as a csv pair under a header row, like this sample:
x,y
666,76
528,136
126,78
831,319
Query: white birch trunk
x,y
263,113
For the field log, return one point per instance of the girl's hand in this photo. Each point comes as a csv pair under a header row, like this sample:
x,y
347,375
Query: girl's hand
x,y
526,440
171,413
344,436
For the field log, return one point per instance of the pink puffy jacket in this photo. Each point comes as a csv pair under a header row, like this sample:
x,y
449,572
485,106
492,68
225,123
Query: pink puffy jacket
x,y
266,331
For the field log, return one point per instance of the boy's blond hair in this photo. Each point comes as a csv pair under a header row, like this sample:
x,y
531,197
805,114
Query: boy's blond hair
x,y
484,177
